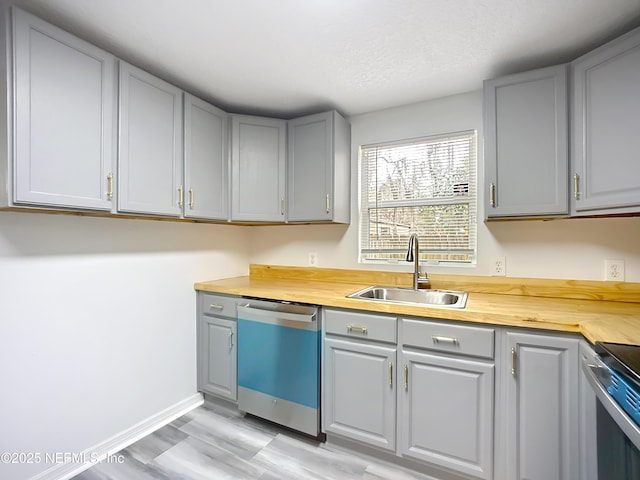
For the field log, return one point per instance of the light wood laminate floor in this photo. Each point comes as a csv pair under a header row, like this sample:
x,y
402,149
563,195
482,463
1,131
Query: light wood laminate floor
x,y
214,442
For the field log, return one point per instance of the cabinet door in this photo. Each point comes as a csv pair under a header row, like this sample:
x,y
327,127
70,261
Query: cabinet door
x,y
64,118
447,413
218,361
318,168
310,168
606,103
150,144
541,381
588,426
359,390
526,144
258,169
205,160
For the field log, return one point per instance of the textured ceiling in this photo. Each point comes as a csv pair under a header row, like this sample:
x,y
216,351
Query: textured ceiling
x,y
290,57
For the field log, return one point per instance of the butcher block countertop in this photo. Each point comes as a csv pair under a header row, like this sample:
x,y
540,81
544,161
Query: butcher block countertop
x,y
600,311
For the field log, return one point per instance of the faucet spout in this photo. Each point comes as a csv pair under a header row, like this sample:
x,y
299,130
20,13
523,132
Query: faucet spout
x,y
413,255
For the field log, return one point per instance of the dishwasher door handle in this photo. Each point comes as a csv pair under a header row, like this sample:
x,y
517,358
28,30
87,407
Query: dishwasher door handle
x,y
254,313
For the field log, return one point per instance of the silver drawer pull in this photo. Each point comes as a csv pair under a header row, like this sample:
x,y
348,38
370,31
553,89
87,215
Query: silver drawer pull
x,y
362,330
439,339
216,307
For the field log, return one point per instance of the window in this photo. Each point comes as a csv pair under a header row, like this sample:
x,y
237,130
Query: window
x,y
425,186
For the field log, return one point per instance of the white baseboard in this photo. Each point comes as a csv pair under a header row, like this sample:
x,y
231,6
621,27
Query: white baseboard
x,y
65,471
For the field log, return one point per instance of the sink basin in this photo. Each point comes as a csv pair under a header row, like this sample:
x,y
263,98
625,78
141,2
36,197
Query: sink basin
x,y
408,296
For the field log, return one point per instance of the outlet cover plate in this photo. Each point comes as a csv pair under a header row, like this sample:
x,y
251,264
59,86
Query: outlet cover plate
x,y
614,270
499,267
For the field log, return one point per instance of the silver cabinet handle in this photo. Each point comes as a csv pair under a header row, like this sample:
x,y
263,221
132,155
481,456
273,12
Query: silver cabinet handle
x,y
213,306
191,198
576,186
282,206
110,186
391,374
439,339
230,340
406,377
180,196
362,330
328,205
513,361
492,194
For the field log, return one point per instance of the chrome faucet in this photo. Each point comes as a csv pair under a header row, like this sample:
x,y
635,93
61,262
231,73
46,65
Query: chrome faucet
x,y
413,253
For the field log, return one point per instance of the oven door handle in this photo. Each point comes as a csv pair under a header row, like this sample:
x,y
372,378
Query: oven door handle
x,y
592,369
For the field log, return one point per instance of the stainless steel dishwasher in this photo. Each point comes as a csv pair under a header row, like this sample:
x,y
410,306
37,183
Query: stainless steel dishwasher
x,y
279,363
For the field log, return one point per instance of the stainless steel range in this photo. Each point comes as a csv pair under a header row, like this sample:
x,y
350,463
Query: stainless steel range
x,y
614,376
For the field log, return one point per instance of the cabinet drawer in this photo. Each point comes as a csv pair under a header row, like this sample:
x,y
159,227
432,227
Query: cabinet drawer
x,y
360,325
219,305
447,337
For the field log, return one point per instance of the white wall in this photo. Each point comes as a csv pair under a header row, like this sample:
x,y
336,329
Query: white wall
x,y
569,249
97,324
97,315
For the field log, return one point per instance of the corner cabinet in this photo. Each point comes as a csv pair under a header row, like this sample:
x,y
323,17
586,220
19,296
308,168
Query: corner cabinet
x,y
258,153
318,168
150,145
606,102
541,407
64,119
206,163
217,351
526,144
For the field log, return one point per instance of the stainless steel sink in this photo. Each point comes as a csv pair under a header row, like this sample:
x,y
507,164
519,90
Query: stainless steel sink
x,y
408,296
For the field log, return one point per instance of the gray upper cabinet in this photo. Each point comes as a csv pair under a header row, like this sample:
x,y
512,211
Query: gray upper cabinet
x,y
318,168
258,153
206,162
541,407
64,105
526,144
606,102
150,145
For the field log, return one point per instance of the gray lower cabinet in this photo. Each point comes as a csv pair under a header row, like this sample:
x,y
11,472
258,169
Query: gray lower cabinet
x,y
206,164
150,145
258,153
217,351
447,413
319,168
360,395
606,102
64,119
446,398
359,377
526,144
540,404
588,424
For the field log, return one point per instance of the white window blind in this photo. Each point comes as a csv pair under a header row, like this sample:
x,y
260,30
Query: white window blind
x,y
425,186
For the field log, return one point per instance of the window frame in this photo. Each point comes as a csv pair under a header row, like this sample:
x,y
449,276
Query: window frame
x,y
470,199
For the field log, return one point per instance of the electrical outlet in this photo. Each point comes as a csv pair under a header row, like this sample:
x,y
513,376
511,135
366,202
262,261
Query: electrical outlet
x,y
499,267
614,270
313,259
